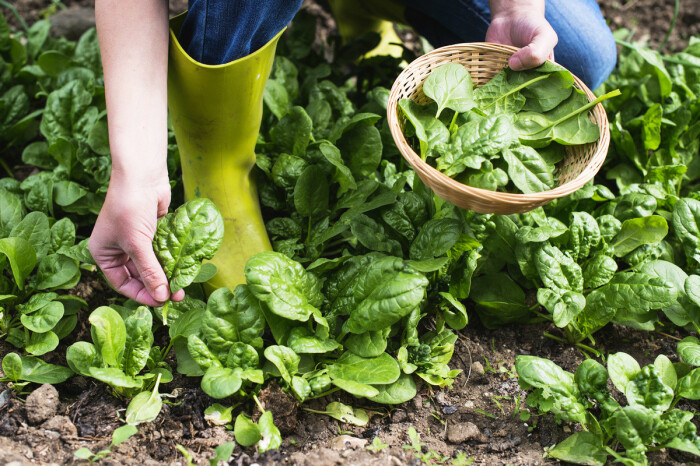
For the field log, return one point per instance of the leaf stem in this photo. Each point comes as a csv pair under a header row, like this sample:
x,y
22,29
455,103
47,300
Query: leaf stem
x,y
588,348
315,411
7,169
167,350
516,89
676,10
16,14
554,337
332,390
603,97
257,402
155,387
453,123
697,328
668,336
679,61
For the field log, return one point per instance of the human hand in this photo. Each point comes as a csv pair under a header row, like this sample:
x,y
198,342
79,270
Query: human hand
x,y
523,26
122,240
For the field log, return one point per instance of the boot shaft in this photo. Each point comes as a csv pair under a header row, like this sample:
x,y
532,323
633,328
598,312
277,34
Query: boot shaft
x,y
216,113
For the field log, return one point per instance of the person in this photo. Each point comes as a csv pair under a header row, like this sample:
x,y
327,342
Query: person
x,y
223,50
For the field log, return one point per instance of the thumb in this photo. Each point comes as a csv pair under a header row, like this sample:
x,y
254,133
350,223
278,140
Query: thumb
x,y
537,52
149,269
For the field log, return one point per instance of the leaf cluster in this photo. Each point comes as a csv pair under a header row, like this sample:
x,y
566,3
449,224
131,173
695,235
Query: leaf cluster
x,y
648,422
508,134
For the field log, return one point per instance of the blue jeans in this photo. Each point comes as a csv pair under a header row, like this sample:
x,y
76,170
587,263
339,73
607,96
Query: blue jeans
x,y
221,31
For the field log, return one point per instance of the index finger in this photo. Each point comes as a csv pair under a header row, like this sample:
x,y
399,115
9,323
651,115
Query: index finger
x,y
124,283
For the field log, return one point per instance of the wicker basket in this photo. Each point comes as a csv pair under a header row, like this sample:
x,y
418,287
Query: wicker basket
x,y
483,61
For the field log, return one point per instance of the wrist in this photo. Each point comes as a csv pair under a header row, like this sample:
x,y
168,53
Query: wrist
x,y
511,8
139,175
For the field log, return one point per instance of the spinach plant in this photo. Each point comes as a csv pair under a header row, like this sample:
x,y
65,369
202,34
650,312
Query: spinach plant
x,y
39,258
648,422
263,434
122,342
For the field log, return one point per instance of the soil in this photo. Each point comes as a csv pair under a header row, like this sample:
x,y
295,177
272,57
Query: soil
x,y
480,416
650,20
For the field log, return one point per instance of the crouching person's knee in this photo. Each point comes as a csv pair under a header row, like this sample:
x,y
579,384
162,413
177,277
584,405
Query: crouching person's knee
x,y
600,61
586,45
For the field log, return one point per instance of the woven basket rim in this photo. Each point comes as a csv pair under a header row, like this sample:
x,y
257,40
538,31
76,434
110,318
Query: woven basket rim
x,y
450,184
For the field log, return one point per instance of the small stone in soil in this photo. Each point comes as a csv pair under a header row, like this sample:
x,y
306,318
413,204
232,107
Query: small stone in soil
x,y
441,398
342,442
8,426
449,409
71,23
5,397
399,416
477,368
62,425
463,431
41,404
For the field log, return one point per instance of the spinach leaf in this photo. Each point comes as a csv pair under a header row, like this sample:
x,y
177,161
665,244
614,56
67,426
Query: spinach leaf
x,y
22,258
435,238
689,351
292,133
580,448
185,238
686,217
638,231
566,124
639,292
284,286
557,270
528,170
232,317
381,370
380,295
451,87
221,382
429,129
622,368
499,300
108,334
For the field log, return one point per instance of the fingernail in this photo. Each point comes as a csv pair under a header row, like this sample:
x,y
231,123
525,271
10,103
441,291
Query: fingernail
x,y
515,63
161,293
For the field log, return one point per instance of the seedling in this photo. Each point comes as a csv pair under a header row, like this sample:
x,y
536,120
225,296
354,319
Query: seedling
x,y
377,445
462,460
188,456
120,435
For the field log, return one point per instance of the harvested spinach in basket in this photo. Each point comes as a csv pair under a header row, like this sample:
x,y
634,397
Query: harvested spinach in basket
x,y
507,135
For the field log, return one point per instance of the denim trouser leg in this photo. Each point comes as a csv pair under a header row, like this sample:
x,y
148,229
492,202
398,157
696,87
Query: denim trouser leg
x,y
220,31
586,45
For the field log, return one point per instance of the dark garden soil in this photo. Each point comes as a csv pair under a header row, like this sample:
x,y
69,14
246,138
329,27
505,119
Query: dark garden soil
x,y
480,415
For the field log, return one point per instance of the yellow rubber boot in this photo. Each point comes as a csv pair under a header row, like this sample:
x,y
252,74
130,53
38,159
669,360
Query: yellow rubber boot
x,y
216,113
356,17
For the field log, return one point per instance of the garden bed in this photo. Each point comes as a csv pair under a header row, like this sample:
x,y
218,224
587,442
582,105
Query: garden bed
x,y
482,419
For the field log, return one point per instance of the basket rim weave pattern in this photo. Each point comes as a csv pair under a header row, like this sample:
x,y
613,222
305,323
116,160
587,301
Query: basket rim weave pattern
x,y
485,60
